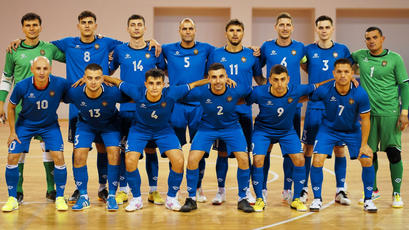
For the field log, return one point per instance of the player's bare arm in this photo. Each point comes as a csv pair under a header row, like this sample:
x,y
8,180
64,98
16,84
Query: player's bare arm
x,y
11,111
365,128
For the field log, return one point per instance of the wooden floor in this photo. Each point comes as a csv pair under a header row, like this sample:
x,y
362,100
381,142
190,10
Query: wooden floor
x,y
36,213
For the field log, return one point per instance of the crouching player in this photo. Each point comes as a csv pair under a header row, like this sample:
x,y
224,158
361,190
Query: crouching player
x,y
344,105
154,105
40,97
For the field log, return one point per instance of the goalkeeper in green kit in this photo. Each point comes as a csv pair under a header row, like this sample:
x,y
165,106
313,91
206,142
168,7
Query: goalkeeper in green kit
x,y
17,68
384,77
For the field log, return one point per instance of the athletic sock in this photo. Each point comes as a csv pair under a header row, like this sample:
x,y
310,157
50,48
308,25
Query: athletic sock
x,y
122,172
375,165
316,181
340,171
257,175
12,179
49,173
102,167
221,170
266,168
113,178
243,179
60,175
288,172
307,170
81,179
368,175
152,168
174,181
20,177
299,179
134,182
202,166
396,175
192,176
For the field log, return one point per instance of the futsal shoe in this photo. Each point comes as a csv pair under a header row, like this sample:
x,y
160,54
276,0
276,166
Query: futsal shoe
x,y
82,203
61,204
245,206
304,196
250,198
103,195
369,206
172,203
298,205
121,197
397,201
287,196
259,205
342,198
51,196
20,197
200,197
11,205
74,197
189,205
316,205
375,195
265,194
134,204
155,197
112,206
219,198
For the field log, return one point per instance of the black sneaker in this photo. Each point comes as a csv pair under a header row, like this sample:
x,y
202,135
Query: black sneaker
x,y
103,195
189,205
20,197
50,196
74,197
245,206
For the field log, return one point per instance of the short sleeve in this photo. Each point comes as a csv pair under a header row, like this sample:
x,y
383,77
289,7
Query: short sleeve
x,y
17,94
363,102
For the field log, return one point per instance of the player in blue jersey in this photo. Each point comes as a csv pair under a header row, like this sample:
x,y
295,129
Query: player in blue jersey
x,y
289,53
135,58
40,96
154,105
346,119
96,103
241,66
186,62
219,121
320,64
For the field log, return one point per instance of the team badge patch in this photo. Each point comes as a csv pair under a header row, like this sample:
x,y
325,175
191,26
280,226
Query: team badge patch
x,y
104,103
290,100
293,52
384,63
42,52
195,51
229,98
96,46
163,104
52,93
243,59
351,101
335,54
147,55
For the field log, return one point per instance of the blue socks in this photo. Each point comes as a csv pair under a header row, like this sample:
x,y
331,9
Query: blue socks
x,y
288,172
192,177
12,179
299,179
307,170
174,181
368,178
266,168
316,181
122,171
152,168
340,171
134,182
81,179
113,178
202,166
221,170
258,179
243,179
102,167
60,179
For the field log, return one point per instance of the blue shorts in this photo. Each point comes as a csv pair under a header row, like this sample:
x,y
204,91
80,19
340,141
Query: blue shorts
x,y
72,128
127,119
85,135
312,123
233,137
51,136
165,139
185,115
328,138
288,140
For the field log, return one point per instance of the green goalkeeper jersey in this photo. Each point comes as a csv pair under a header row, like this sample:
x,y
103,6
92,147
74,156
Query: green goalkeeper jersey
x,y
381,77
18,63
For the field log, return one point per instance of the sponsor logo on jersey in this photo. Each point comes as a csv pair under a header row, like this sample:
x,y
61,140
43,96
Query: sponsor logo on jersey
x,y
195,51
96,46
293,52
229,98
315,55
147,55
365,59
52,93
333,99
104,103
42,52
208,101
270,103
163,104
127,56
31,95
384,63
335,54
23,56
223,59
177,53
83,104
243,59
143,106
290,100
351,101
273,52
77,47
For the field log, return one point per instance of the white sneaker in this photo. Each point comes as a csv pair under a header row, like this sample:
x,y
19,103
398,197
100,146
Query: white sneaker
x,y
172,203
200,197
265,194
341,197
304,195
369,206
287,196
219,198
134,204
250,198
316,205
397,201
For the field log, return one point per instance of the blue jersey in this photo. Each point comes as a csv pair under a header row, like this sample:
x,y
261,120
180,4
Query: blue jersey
x,y
342,112
320,64
289,56
154,115
79,54
39,107
218,110
277,112
97,112
134,64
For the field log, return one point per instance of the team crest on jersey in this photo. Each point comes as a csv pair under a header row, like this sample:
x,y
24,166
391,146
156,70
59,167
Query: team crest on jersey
x,y
195,51
104,103
163,104
52,93
229,98
351,101
293,52
96,46
147,55
243,59
335,54
42,52
290,100
384,63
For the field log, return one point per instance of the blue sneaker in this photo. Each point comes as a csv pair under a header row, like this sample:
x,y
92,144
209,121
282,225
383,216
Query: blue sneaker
x,y
112,206
82,203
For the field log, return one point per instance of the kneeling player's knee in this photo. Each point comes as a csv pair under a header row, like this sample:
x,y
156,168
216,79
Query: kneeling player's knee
x,y
298,159
393,154
318,160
